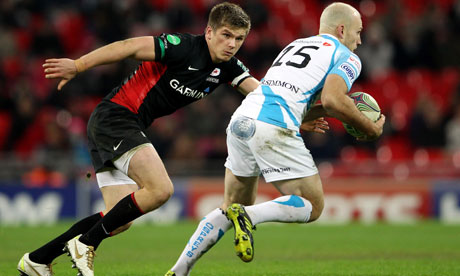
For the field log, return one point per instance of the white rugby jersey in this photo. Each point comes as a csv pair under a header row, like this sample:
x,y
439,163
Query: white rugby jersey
x,y
296,78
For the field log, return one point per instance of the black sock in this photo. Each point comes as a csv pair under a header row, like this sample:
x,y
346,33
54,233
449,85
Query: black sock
x,y
50,251
126,210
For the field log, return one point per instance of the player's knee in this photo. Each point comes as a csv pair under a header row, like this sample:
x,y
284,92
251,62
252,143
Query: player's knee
x,y
165,195
159,196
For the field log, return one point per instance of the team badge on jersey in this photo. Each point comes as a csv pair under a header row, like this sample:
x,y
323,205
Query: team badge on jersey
x,y
215,72
173,39
355,62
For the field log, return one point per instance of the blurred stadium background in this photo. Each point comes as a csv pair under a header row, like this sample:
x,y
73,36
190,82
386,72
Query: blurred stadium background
x,y
411,61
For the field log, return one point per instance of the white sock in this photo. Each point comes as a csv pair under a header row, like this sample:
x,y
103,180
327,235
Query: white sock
x,y
211,228
289,208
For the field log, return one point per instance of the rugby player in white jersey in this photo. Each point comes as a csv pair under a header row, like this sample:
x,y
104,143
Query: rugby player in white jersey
x,y
263,135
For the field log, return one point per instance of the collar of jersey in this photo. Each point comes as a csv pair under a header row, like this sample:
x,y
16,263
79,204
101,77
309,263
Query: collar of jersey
x,y
330,36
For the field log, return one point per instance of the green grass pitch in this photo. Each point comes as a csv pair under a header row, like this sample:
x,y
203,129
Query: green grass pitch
x,y
427,248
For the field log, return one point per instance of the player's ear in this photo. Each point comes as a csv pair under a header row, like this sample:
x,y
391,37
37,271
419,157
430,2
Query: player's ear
x,y
208,32
340,30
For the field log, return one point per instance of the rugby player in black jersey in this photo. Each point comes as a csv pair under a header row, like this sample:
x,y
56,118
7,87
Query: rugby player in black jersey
x,y
176,69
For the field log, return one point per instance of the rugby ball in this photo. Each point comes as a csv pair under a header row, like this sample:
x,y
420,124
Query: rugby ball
x,y
368,106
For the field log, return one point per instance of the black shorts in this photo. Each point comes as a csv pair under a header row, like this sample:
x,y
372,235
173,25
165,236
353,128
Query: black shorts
x,y
112,130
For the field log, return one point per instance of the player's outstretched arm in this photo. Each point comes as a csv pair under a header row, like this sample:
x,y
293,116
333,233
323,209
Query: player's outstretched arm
x,y
339,105
140,48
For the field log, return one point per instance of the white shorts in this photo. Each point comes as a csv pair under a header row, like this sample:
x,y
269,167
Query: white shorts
x,y
256,147
119,174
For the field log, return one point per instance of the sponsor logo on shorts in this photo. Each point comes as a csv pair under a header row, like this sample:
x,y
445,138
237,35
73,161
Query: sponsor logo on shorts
x,y
275,170
118,145
349,71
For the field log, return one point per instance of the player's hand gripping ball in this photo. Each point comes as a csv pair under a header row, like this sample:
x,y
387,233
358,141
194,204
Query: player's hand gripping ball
x,y
368,106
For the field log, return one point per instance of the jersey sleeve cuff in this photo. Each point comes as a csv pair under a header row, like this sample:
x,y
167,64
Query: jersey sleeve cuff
x,y
238,80
159,48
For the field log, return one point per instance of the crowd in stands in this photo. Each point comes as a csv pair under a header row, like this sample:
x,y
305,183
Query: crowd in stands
x,y
410,55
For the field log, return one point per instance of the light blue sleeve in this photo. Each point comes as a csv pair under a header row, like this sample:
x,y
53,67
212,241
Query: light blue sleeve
x,y
348,66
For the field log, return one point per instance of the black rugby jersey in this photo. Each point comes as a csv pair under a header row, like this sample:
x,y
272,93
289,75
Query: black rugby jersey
x,y
182,73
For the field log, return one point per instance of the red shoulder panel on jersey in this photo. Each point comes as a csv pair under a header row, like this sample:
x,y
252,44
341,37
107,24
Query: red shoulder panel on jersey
x,y
133,92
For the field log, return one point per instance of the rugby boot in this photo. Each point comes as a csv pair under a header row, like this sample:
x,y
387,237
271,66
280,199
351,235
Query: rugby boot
x,y
28,268
244,243
82,256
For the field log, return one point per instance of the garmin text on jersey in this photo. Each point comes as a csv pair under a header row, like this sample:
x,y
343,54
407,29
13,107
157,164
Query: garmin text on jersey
x,y
186,91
